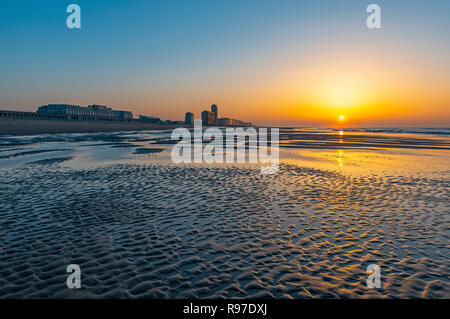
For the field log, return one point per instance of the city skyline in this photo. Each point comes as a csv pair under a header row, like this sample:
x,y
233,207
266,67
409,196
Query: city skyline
x,y
287,64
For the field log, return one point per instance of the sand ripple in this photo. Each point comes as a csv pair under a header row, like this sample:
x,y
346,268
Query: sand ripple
x,y
162,231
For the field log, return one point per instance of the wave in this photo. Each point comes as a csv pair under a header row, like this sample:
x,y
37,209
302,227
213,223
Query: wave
x,y
432,131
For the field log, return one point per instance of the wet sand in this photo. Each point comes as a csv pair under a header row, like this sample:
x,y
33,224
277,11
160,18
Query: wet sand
x,y
140,226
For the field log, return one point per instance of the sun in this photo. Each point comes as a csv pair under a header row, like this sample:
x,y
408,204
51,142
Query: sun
x,y
342,117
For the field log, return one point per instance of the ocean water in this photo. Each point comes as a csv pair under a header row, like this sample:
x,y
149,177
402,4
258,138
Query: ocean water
x,y
140,226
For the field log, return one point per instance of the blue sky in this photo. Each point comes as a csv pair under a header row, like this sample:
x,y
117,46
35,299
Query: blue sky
x,y
165,57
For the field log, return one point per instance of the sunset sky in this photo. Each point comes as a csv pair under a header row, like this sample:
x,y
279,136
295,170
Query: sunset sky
x,y
301,63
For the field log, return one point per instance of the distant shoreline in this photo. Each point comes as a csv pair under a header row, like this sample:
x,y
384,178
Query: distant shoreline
x,y
32,126
15,126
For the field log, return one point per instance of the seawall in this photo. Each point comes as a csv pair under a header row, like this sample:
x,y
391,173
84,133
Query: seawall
x,y
16,126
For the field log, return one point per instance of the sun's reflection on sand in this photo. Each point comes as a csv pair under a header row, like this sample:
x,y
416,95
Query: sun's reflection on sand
x,y
340,158
364,162
341,137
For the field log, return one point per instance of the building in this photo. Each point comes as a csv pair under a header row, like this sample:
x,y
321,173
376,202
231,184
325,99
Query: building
x,y
170,122
124,115
207,118
30,115
232,122
241,123
91,112
214,109
225,122
150,119
99,111
189,118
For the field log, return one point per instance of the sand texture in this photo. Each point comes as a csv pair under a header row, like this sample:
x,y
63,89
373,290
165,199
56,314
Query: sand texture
x,y
140,226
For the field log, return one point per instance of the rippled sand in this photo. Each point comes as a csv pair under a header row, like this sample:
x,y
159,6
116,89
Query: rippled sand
x,y
140,226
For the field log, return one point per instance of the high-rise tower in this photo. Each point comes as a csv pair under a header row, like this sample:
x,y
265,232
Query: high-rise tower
x,y
215,111
189,118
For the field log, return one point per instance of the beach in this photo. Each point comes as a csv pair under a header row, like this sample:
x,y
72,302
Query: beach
x,y
140,226
37,126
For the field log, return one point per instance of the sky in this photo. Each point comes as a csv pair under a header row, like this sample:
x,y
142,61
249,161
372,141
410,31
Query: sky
x,y
287,63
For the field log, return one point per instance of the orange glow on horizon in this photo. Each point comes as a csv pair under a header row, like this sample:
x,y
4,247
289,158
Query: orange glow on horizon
x,y
366,88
